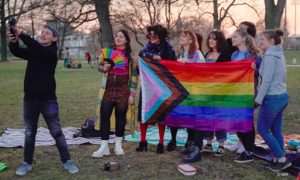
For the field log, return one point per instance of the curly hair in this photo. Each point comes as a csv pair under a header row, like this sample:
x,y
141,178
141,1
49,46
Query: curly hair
x,y
159,30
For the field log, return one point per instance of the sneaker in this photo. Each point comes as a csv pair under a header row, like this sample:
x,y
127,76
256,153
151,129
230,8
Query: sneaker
x,y
23,169
220,151
241,149
235,147
71,167
245,157
279,166
207,148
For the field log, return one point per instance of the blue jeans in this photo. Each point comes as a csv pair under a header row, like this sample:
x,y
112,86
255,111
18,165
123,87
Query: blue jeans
x,y
49,110
269,124
220,135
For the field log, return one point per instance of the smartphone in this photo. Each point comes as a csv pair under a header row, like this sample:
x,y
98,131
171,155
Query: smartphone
x,y
12,23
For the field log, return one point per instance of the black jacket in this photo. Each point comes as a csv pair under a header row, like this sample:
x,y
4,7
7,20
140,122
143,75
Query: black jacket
x,y
39,82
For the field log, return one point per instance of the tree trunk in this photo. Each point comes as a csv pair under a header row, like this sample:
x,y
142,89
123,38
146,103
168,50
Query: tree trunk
x,y
273,13
102,10
3,32
217,24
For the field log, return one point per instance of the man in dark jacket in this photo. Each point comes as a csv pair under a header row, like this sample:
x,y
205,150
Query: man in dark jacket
x,y
39,92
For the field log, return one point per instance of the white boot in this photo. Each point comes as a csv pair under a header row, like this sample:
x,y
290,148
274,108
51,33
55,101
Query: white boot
x,y
118,146
103,150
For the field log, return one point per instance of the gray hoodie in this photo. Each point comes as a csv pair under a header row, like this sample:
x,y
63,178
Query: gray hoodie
x,y
273,73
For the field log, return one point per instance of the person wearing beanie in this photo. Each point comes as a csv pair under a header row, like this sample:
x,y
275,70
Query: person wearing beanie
x,y
39,92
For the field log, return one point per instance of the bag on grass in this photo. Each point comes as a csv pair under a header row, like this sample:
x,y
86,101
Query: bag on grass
x,y
88,129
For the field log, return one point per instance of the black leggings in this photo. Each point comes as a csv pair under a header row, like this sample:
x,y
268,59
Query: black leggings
x,y
248,139
105,114
189,131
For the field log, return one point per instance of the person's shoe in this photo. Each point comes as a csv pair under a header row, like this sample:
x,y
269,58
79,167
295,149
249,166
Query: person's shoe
x,y
160,149
187,148
208,148
71,167
279,166
103,150
142,146
171,146
23,169
220,151
235,147
118,146
194,156
245,157
241,149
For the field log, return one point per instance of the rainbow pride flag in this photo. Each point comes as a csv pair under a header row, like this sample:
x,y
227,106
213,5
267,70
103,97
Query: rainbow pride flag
x,y
202,96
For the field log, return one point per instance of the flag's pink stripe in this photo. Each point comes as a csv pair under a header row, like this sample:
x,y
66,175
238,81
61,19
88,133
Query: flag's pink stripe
x,y
158,91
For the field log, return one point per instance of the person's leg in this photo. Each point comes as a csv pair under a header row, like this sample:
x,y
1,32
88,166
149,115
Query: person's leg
x,y
221,138
105,114
120,113
248,139
143,128
172,144
50,113
161,131
195,151
190,133
208,135
267,114
31,114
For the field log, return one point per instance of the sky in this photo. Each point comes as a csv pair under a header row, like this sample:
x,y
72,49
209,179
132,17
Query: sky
x,y
244,13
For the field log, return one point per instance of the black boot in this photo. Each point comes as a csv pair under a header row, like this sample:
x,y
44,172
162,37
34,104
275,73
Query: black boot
x,y
160,149
187,148
194,156
171,145
142,146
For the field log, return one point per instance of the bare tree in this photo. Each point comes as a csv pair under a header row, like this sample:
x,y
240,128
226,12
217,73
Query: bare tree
x,y
221,10
136,15
273,13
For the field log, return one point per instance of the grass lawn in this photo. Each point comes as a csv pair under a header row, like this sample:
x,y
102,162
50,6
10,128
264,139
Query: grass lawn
x,y
77,91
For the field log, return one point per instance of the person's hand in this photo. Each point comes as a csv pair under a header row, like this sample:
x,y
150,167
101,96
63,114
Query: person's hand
x,y
253,66
14,37
106,67
131,100
156,57
256,105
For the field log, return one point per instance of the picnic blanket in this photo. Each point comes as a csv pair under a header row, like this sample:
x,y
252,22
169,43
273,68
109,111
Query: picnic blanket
x,y
15,137
153,138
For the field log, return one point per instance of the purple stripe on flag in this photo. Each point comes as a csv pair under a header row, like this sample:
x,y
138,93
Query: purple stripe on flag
x,y
209,124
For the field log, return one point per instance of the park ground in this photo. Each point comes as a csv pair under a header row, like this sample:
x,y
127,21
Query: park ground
x,y
77,91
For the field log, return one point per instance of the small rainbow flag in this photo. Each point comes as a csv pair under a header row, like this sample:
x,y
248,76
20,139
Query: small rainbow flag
x,y
202,96
115,56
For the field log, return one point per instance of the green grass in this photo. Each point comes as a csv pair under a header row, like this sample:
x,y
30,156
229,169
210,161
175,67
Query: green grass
x,y
77,91
290,55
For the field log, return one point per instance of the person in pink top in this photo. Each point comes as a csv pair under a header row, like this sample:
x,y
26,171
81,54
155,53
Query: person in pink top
x,y
118,94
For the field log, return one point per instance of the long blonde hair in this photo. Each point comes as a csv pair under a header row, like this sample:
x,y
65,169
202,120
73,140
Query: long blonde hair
x,y
250,42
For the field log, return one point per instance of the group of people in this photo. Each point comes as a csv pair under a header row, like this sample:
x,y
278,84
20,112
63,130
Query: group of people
x,y
121,86
270,77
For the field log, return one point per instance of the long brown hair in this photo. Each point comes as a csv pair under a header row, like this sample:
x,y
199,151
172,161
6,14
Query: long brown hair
x,y
220,38
250,42
194,44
